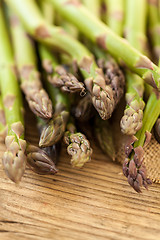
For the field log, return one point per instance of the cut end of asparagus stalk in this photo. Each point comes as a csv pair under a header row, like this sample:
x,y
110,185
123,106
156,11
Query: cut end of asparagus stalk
x,y
78,147
14,159
54,130
39,161
66,81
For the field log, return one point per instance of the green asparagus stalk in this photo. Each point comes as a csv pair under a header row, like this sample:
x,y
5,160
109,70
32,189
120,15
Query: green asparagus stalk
x,y
93,6
47,10
102,97
135,24
135,29
133,167
103,134
115,15
2,119
14,159
131,121
99,33
55,128
78,146
154,26
36,96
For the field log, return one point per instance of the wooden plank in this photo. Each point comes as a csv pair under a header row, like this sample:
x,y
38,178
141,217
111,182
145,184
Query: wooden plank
x,y
94,203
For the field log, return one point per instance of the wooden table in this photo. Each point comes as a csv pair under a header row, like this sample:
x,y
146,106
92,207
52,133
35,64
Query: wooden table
x,y
94,203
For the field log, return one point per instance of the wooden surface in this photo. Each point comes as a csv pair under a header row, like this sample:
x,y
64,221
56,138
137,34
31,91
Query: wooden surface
x,y
94,203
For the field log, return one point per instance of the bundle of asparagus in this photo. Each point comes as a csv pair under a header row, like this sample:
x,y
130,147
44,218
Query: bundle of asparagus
x,y
98,62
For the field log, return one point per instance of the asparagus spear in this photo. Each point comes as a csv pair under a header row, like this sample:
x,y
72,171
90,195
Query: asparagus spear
x,y
114,77
2,119
14,159
36,96
133,167
57,74
83,110
103,134
78,146
131,122
54,129
99,33
115,15
154,26
40,161
102,97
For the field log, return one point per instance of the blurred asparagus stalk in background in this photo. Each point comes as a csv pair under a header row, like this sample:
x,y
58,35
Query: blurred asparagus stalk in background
x,y
94,6
154,27
115,15
14,159
2,119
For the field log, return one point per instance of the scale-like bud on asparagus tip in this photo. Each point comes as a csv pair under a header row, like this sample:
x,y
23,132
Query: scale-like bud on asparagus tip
x,y
135,170
39,161
54,130
84,110
114,77
131,122
157,130
66,81
14,159
78,147
36,96
102,96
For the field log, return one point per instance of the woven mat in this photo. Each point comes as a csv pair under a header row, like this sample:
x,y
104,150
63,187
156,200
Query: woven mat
x,y
152,150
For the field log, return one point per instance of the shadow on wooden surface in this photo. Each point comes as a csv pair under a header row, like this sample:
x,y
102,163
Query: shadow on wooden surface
x,y
93,203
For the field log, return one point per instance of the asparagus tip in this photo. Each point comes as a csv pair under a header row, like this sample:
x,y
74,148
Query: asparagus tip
x,y
39,161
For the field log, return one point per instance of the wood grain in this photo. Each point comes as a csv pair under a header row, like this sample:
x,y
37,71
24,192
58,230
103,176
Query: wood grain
x,y
94,203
